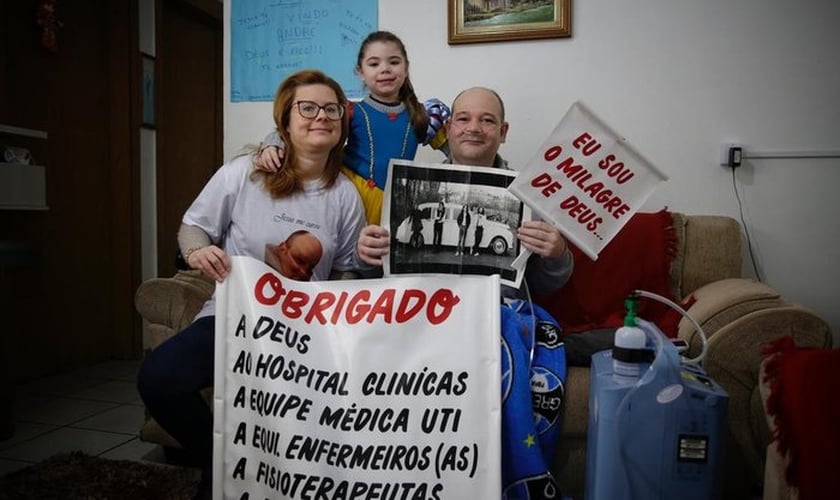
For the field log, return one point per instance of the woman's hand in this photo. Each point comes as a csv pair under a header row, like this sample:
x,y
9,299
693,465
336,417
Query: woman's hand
x,y
542,238
374,243
270,159
211,260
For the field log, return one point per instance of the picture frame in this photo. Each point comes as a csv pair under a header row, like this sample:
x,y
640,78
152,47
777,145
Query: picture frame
x,y
471,21
423,206
147,93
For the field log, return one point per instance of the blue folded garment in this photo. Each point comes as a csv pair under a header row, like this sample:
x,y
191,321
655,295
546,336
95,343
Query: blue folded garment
x,y
533,392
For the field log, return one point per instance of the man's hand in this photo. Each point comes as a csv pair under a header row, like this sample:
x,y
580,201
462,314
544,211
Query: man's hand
x,y
270,159
211,260
542,238
374,243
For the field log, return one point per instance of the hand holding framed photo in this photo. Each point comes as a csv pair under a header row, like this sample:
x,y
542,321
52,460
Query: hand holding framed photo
x,y
472,21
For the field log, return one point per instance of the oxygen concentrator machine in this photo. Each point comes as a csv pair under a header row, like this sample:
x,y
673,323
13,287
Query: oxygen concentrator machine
x,y
657,422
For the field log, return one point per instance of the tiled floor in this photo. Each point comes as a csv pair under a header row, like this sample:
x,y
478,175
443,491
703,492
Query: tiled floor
x,y
95,410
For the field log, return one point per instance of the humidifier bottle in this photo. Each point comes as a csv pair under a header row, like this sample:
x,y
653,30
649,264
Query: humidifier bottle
x,y
629,346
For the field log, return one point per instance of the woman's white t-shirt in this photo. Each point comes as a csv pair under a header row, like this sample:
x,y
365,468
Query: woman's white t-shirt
x,y
240,216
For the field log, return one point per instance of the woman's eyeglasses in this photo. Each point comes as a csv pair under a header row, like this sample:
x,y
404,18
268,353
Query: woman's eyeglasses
x,y
309,109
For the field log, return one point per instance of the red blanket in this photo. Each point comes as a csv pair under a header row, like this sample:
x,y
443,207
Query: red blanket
x,y
805,404
639,257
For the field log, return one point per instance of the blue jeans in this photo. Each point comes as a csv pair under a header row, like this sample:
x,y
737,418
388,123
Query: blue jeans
x,y
169,382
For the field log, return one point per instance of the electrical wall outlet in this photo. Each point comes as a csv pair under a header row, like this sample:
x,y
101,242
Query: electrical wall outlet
x,y
730,154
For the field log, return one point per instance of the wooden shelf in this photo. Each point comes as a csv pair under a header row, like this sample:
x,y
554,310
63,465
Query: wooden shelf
x,y
26,132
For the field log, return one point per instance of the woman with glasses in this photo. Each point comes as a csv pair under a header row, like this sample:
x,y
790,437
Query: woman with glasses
x,y
245,211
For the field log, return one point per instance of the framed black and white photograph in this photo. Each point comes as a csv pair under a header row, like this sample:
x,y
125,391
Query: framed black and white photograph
x,y
452,219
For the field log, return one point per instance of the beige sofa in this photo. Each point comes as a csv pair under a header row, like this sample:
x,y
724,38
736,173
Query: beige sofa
x,y
738,315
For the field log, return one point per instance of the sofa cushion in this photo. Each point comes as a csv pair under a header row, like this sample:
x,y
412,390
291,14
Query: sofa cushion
x,y
712,251
639,257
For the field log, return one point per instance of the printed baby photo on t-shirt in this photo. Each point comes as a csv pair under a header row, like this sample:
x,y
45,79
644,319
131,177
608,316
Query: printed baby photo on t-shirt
x,y
297,256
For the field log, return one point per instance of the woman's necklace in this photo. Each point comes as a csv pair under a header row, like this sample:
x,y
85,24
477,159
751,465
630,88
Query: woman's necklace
x,y
370,181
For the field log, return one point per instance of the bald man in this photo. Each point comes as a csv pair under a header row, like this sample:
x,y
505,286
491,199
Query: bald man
x,y
532,339
476,130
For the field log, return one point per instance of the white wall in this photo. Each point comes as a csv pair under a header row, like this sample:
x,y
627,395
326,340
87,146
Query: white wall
x,y
677,79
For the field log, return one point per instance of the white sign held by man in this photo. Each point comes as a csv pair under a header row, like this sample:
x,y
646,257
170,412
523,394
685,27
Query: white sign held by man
x,y
586,180
380,388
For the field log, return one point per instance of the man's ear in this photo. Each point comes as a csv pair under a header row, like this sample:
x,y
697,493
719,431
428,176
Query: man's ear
x,y
503,131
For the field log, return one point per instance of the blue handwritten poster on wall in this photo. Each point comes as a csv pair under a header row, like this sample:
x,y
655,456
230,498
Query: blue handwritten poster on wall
x,y
271,39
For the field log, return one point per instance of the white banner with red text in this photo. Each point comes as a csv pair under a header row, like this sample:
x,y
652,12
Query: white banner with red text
x,y
356,389
586,180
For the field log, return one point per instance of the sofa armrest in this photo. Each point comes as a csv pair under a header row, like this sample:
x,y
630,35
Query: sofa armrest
x,y
740,317
734,359
721,302
170,304
167,306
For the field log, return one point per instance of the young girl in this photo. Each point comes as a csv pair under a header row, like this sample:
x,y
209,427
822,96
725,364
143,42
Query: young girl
x,y
388,123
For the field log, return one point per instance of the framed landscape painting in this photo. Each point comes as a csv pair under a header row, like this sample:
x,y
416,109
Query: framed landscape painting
x,y
473,21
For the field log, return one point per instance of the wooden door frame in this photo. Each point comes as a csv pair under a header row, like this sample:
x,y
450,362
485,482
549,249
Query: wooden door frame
x,y
124,157
210,11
